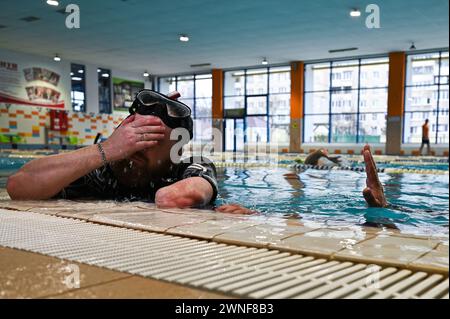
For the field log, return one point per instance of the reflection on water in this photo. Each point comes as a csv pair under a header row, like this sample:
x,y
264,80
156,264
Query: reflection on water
x,y
420,202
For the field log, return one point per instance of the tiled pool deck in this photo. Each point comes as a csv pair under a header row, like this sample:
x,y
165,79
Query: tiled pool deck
x,y
385,247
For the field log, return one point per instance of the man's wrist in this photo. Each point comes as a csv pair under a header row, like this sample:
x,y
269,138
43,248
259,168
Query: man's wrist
x,y
102,154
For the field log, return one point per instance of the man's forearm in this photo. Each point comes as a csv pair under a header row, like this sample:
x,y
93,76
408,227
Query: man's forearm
x,y
189,192
44,177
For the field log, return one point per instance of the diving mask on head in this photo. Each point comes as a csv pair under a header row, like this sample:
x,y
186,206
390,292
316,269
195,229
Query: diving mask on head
x,y
173,113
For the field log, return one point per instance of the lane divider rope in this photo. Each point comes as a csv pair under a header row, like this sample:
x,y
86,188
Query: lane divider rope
x,y
338,168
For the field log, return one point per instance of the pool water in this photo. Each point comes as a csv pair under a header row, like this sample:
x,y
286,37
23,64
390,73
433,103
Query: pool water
x,y
335,198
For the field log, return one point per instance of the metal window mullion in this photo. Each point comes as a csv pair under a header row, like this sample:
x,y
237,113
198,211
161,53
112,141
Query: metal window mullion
x,y
304,105
404,103
329,103
438,98
224,122
267,107
195,97
84,89
245,110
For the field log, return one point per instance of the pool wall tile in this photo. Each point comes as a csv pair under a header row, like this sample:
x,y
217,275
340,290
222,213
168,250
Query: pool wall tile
x,y
210,228
437,259
261,235
388,250
321,242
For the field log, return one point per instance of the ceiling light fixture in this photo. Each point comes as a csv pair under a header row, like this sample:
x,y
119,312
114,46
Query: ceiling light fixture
x,y
30,19
413,46
53,3
81,71
355,13
200,65
146,74
105,75
56,58
77,78
184,38
342,50
264,61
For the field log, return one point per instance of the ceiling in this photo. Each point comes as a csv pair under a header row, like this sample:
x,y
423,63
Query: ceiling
x,y
138,35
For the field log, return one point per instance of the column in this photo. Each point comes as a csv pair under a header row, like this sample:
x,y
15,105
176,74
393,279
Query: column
x,y
396,102
297,103
217,107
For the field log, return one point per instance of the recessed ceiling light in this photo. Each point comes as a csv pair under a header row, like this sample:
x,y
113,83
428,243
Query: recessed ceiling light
x,y
264,61
71,73
98,70
184,38
53,3
56,58
146,74
355,13
76,78
105,75
81,71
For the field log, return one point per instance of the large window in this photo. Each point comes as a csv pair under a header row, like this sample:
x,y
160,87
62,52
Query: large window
x,y
260,99
196,92
104,90
346,101
426,97
78,91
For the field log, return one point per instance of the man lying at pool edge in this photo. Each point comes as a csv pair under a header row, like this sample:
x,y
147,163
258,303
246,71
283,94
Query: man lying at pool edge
x,y
134,163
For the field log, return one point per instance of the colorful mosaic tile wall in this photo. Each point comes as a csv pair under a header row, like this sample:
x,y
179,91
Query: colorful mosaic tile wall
x,y
27,125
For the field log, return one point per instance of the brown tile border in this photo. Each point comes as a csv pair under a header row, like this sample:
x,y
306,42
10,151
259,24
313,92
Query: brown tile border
x,y
96,282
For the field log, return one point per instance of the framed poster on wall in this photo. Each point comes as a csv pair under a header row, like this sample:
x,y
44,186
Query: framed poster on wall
x,y
30,85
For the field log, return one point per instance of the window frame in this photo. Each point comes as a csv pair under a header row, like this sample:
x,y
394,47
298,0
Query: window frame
x,y
104,106
83,84
438,93
244,94
359,138
195,77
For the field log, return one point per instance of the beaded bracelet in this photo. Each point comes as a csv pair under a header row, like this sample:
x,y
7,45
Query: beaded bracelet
x,y
102,152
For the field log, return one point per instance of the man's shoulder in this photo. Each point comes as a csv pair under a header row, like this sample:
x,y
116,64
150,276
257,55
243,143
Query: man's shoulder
x,y
193,163
196,159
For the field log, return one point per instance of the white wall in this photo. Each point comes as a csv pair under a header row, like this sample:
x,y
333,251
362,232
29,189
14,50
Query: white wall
x,y
63,68
33,122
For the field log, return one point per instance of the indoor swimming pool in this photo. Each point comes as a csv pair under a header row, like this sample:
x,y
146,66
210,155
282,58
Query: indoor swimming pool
x,y
330,197
419,201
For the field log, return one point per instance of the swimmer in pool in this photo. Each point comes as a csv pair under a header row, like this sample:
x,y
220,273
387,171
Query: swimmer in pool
x,y
134,163
373,193
320,157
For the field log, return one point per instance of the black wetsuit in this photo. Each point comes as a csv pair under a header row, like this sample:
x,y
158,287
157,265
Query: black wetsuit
x,y
102,183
